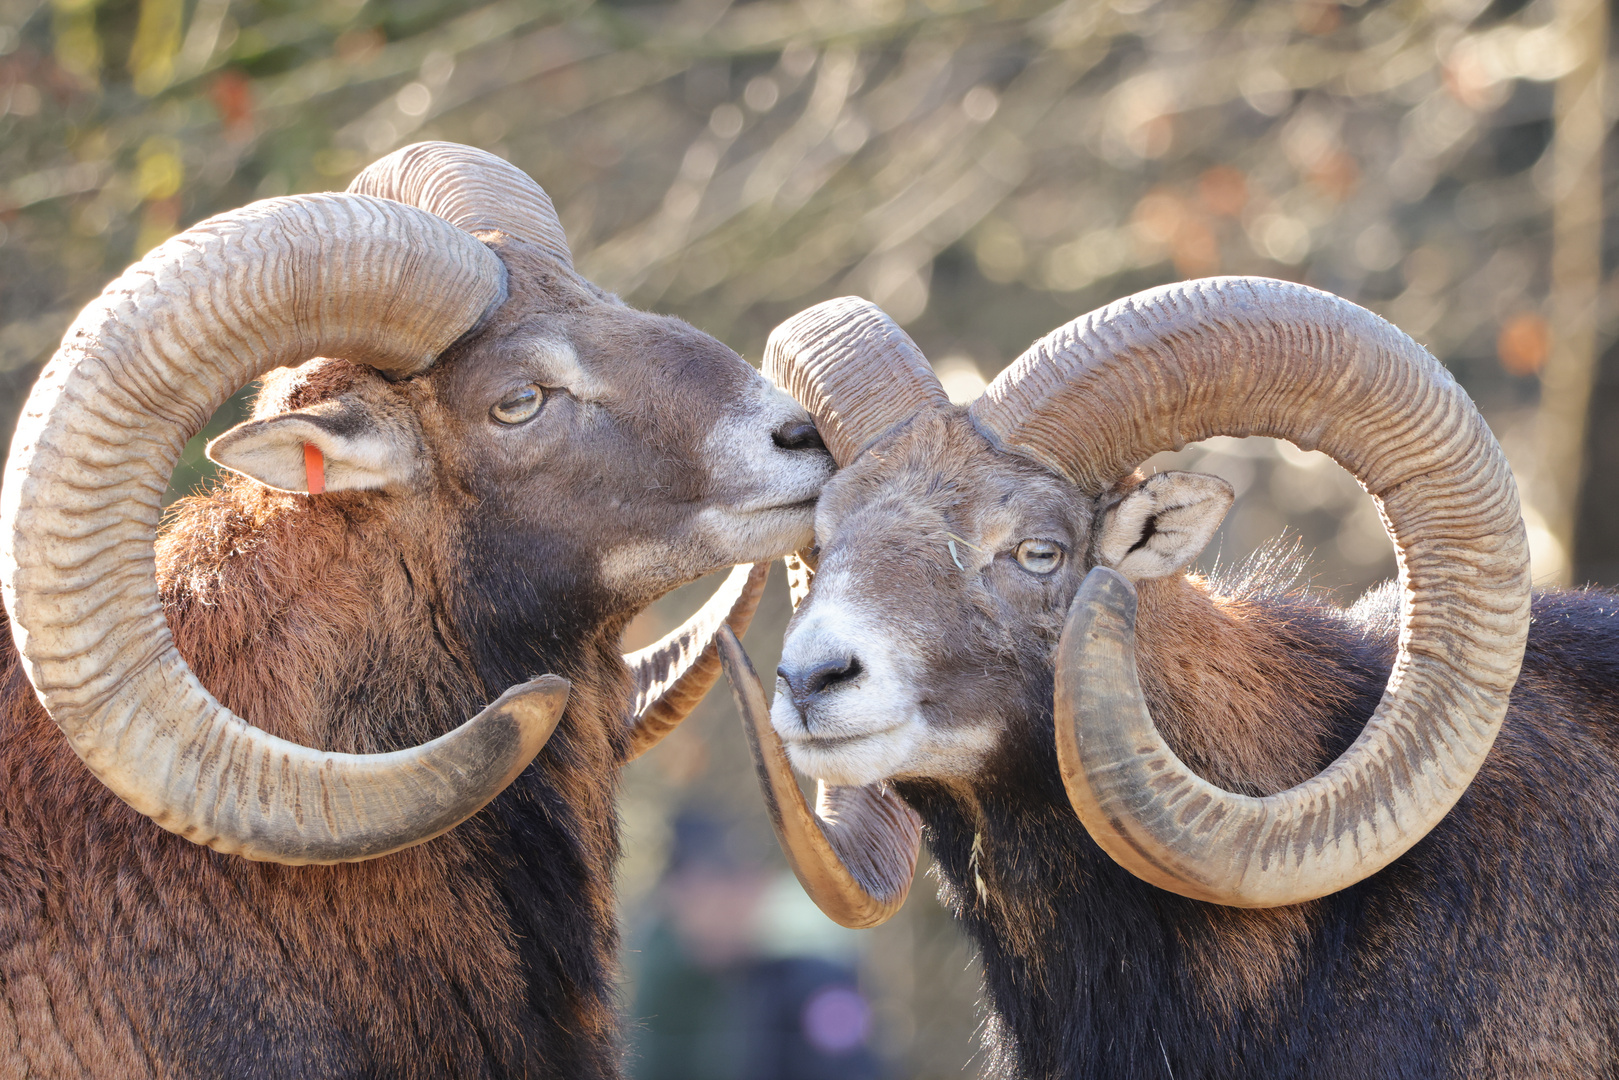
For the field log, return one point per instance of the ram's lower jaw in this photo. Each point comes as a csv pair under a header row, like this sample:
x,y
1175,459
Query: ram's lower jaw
x,y
795,521
762,533
785,504
852,760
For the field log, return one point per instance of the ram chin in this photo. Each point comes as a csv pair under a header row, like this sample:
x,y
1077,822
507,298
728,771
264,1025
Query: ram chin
x,y
851,760
756,535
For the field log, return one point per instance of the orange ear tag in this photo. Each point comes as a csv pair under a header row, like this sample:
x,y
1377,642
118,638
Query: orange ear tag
x,y
314,469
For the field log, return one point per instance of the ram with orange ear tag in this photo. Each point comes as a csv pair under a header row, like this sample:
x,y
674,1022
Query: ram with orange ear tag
x,y
250,829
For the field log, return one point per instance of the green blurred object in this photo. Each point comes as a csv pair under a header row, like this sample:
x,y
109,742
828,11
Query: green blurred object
x,y
674,1036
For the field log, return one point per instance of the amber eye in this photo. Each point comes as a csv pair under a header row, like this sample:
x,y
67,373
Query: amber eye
x,y
520,406
1039,556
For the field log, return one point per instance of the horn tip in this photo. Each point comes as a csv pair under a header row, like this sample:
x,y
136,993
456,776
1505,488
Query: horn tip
x,y
732,655
536,706
1107,587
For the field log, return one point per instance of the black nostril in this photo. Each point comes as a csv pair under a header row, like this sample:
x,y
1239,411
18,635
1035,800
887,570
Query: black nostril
x,y
808,682
797,435
832,673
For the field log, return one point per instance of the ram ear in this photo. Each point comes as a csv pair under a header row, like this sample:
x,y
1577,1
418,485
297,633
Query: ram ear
x,y
341,444
1158,527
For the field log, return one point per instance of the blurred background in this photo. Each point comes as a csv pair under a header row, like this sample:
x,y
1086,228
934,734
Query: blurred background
x,y
985,171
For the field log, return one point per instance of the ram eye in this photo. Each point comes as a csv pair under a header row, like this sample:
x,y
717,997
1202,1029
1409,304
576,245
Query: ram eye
x,y
520,406
1039,556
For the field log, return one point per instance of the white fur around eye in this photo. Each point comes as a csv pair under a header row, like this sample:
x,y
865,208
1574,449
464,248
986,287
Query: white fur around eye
x,y
1161,526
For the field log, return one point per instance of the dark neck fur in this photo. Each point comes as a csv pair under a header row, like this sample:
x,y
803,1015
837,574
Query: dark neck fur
x,y
1487,950
1093,973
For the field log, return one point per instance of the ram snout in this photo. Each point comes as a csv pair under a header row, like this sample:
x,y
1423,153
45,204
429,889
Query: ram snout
x,y
845,707
765,464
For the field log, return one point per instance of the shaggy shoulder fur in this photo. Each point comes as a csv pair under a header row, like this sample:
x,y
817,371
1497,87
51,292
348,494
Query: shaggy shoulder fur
x,y
485,953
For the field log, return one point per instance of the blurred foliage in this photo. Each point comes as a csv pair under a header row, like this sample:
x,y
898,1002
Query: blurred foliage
x,y
984,170
735,161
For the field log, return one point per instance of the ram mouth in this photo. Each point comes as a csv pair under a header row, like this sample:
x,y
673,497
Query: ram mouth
x,y
836,742
792,507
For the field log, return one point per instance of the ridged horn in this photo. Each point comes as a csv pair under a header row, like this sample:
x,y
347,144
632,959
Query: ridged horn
x,y
1251,356
472,189
859,375
675,673
855,853
140,371
854,369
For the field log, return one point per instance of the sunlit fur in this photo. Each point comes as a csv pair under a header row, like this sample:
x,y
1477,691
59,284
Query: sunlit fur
x,y
374,621
1489,950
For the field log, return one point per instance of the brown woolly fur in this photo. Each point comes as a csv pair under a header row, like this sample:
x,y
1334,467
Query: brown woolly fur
x,y
1231,702
147,952
375,620
1488,950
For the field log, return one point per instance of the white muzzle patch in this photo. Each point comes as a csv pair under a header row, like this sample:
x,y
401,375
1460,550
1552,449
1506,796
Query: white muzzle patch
x,y
858,731
763,495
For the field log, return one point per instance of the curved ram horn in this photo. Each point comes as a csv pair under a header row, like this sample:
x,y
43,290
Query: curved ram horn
x,y
472,189
855,853
140,371
858,374
1250,356
676,672
854,369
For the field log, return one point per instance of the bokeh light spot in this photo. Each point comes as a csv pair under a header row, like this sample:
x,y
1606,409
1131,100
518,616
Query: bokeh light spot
x,y
1524,343
837,1020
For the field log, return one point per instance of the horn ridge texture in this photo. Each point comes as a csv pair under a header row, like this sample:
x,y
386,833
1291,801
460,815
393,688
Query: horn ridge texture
x,y
472,189
675,673
855,853
1249,356
140,371
854,369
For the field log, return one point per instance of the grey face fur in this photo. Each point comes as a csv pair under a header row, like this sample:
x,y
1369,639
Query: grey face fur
x,y
945,572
